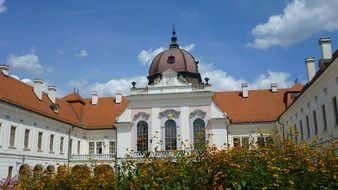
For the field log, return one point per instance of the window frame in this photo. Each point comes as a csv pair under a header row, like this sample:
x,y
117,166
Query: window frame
x,y
26,139
12,137
200,135
78,147
62,139
324,117
112,148
91,150
170,140
40,141
301,129
142,136
315,122
308,126
51,143
99,149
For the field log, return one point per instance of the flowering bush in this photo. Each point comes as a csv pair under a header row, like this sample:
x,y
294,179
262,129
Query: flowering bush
x,y
286,166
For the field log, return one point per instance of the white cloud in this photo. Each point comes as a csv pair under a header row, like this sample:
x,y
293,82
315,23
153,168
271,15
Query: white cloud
x,y
147,56
264,81
3,7
59,92
82,53
221,81
28,81
28,62
300,19
189,47
110,87
16,77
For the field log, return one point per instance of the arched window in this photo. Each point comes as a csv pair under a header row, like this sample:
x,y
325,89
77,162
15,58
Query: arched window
x,y
142,136
170,135
199,133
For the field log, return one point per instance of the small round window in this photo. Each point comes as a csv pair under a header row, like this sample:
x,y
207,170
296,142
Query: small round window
x,y
171,59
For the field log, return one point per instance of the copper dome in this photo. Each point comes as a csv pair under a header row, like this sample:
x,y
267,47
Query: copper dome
x,y
176,59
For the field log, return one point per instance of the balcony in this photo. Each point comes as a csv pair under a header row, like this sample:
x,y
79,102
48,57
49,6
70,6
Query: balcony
x,y
91,157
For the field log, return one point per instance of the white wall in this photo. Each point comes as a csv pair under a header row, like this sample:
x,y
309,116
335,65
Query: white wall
x,y
251,130
319,93
15,156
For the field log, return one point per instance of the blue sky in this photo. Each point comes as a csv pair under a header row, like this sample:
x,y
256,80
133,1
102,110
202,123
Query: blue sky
x,y
104,45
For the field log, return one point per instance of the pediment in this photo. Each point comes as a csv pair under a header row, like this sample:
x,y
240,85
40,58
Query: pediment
x,y
169,73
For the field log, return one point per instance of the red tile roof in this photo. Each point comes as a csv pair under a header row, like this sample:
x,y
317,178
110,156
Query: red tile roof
x,y
21,94
260,106
73,109
103,114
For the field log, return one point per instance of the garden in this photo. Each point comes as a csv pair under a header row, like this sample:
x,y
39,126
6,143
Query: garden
x,y
284,165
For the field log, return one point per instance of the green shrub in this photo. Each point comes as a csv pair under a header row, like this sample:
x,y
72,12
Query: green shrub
x,y
287,166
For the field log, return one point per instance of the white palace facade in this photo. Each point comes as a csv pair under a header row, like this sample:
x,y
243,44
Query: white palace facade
x,y
176,111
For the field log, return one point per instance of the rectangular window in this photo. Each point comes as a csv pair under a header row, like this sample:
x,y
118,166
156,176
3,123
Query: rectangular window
x,y
61,144
315,122
99,148
296,132
91,147
10,172
51,143
308,127
26,139
301,129
112,147
71,146
78,147
12,137
237,142
324,117
40,141
245,142
335,109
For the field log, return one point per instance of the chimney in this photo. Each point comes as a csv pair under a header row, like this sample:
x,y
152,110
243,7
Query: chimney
x,y
274,87
52,93
95,98
4,69
325,46
245,92
118,97
311,68
37,88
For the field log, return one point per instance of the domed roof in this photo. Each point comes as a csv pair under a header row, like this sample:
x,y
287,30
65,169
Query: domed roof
x,y
174,58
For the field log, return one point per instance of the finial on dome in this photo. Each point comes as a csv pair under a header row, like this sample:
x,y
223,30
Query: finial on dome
x,y
174,39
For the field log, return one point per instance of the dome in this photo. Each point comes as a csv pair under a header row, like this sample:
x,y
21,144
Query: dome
x,y
176,59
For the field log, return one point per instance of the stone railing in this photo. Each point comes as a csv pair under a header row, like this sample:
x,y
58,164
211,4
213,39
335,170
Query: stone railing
x,y
88,157
134,91
157,154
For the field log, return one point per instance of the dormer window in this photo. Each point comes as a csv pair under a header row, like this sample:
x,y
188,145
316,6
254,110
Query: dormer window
x,y
54,107
171,59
